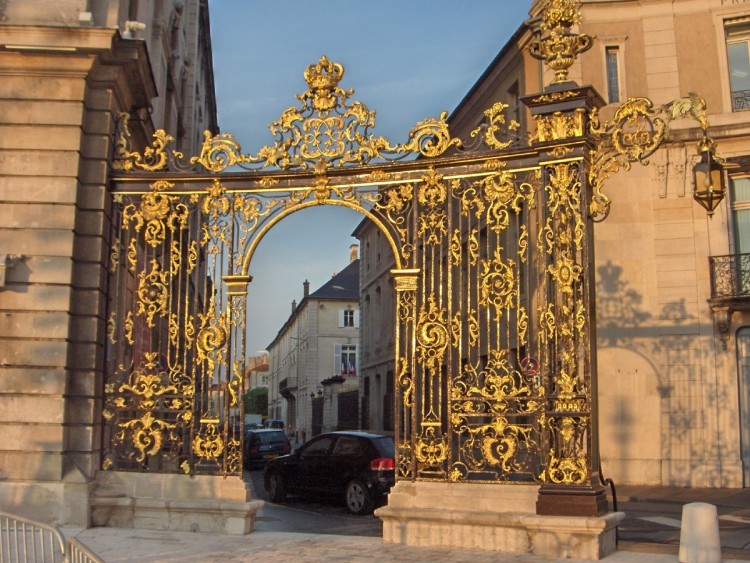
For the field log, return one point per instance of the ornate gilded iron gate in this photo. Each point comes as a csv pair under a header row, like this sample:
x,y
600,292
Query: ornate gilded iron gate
x,y
492,355
492,238
471,278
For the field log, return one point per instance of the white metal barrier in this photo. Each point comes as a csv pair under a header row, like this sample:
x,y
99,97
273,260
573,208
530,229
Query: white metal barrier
x,y
27,541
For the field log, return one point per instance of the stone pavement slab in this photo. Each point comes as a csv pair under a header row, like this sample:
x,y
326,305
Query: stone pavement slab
x,y
116,545
660,509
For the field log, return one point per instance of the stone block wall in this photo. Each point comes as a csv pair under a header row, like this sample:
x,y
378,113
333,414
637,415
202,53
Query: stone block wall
x,y
57,117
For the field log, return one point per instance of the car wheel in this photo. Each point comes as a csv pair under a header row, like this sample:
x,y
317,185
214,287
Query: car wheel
x,y
276,488
358,499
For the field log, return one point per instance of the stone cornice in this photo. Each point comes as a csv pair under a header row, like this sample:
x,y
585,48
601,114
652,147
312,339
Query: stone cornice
x,y
55,39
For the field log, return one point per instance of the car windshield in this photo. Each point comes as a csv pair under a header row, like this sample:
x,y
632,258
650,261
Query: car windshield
x,y
384,446
269,437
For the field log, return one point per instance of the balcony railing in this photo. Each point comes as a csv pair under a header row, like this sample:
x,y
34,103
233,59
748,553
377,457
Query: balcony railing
x,y
730,276
741,100
287,385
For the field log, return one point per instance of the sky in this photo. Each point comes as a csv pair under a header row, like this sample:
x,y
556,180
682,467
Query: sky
x,y
408,60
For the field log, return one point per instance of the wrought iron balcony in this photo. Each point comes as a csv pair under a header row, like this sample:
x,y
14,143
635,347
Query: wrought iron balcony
x,y
287,385
741,100
730,277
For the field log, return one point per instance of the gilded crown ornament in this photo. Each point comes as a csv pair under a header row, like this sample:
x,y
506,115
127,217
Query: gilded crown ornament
x,y
560,48
323,79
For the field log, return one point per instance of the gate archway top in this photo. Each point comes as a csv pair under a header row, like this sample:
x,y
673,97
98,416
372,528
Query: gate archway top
x,y
326,131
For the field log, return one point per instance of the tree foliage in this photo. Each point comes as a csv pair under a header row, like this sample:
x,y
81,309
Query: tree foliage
x,y
256,401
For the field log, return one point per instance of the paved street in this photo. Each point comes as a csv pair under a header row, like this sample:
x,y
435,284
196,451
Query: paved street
x,y
309,516
323,531
653,517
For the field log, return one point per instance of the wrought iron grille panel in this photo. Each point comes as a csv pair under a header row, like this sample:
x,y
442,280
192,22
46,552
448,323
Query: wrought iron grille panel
x,y
730,276
467,409
741,100
175,367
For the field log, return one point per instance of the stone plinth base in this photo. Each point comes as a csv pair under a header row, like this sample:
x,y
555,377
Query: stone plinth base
x,y
198,503
58,504
491,517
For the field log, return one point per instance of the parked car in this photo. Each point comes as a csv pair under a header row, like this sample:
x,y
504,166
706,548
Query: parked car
x,y
358,467
271,423
264,444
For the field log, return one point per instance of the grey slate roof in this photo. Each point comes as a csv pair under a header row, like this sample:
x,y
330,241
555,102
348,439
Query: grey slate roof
x,y
344,285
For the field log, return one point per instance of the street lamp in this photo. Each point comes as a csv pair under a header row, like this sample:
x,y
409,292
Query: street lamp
x,y
710,186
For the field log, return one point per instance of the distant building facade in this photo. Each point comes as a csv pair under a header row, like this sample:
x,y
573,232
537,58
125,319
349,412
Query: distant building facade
x,y
673,304
314,359
256,373
377,303
66,73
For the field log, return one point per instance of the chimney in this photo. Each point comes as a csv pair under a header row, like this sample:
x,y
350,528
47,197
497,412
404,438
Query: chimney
x,y
294,305
353,253
306,286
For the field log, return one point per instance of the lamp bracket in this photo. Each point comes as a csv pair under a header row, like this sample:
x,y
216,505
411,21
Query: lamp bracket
x,y
723,321
7,261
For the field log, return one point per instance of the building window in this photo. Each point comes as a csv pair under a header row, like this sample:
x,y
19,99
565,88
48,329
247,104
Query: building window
x,y
738,55
345,360
612,56
740,201
514,104
348,318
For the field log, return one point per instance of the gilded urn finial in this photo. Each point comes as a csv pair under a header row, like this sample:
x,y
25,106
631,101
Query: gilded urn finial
x,y
560,48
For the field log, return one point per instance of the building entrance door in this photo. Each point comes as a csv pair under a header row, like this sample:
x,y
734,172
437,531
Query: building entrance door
x,y
743,374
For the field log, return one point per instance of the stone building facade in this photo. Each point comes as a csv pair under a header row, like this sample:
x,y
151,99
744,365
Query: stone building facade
x,y
67,69
673,320
377,303
313,361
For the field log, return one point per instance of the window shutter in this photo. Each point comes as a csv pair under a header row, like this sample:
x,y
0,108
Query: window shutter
x,y
341,318
356,318
337,359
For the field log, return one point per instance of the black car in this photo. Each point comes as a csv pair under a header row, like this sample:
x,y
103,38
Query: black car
x,y
264,444
355,466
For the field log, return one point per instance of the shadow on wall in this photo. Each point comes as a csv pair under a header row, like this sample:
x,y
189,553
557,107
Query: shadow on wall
x,y
654,392
15,273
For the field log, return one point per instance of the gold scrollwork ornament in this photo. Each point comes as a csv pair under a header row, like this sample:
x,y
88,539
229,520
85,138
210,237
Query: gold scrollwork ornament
x,y
432,336
209,444
431,449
